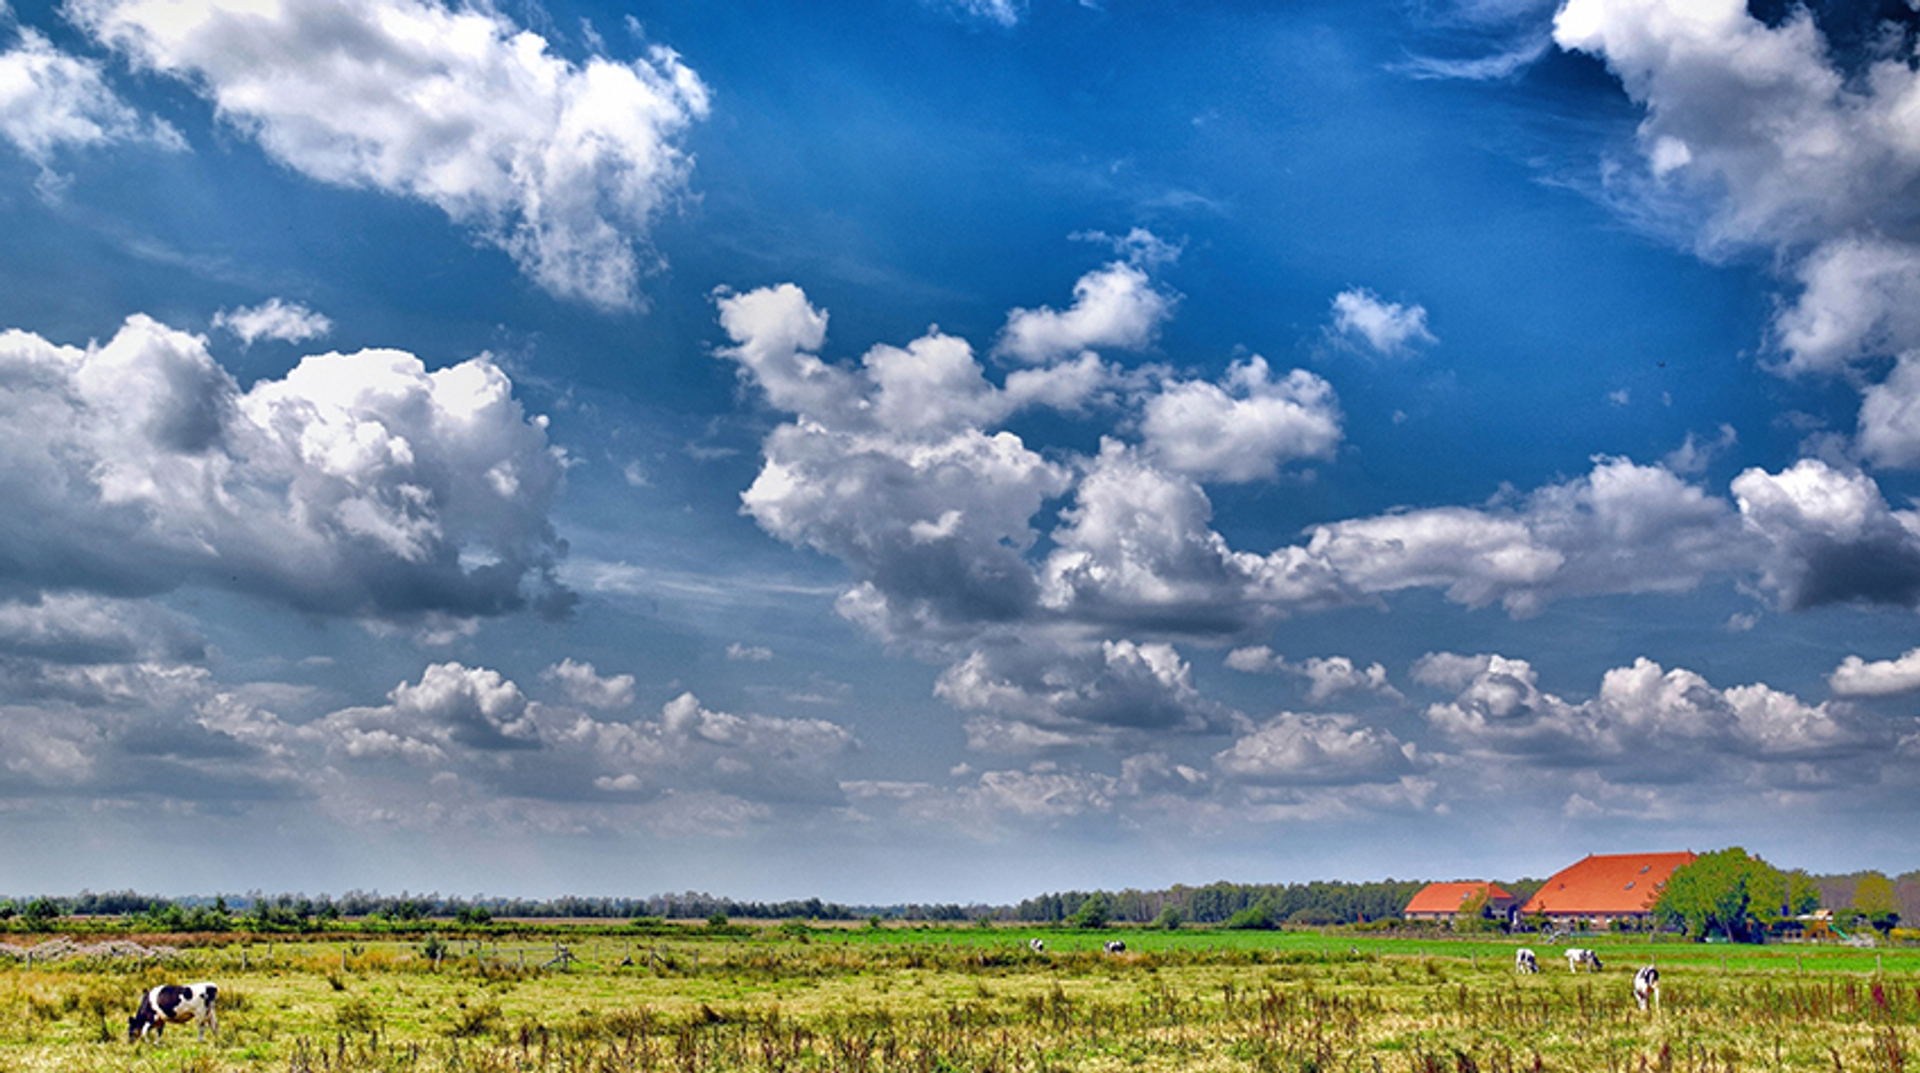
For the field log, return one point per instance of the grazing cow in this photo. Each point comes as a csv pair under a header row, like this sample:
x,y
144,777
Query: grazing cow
x,y
1646,987
1036,946
172,1004
1115,946
1524,961
1579,955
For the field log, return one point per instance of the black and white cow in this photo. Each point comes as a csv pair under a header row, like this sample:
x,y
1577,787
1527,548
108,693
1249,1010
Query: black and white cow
x,y
1115,946
1579,955
1524,961
173,1004
1037,946
1646,987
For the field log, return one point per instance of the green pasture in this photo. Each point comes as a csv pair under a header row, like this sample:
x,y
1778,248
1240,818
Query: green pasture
x,y
865,999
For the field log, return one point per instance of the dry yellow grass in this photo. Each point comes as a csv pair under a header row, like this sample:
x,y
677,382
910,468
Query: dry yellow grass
x,y
832,1005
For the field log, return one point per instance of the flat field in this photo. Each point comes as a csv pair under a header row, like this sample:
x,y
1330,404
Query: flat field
x,y
801,999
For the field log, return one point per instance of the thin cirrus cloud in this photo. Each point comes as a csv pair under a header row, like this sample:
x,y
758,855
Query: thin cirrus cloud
x,y
563,165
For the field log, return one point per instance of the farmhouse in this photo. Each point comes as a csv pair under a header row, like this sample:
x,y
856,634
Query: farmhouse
x,y
1442,901
1604,888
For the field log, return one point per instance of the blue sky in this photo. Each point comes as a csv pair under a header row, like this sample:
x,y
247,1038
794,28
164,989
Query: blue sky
x,y
952,449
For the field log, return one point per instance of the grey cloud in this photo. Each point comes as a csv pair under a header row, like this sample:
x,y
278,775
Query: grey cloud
x,y
1831,537
359,484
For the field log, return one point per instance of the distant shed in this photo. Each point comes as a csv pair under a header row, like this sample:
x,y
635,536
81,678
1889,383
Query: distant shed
x,y
1442,901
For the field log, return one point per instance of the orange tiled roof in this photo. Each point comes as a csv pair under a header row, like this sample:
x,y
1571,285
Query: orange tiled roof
x,y
1448,897
1606,884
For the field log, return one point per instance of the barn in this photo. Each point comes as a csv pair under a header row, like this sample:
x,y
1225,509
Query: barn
x,y
1442,901
1602,889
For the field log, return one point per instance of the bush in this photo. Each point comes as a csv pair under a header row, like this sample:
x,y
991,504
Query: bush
x,y
1169,919
1257,917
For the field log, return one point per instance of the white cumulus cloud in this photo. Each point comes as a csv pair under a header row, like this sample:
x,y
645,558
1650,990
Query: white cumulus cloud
x,y
1388,328
359,484
289,322
1856,677
1245,428
50,99
561,164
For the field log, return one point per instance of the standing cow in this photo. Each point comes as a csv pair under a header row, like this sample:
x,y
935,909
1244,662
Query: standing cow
x,y
1578,956
1037,946
1115,946
173,1004
1525,962
1646,987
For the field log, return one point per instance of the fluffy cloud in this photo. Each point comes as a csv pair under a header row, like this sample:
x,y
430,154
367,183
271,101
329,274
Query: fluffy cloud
x,y
563,165
1758,130
1245,428
1830,536
1387,328
289,322
460,745
360,484
1116,684
1292,748
1621,528
896,467
1859,300
1327,676
586,687
1116,306
50,100
1646,722
1856,677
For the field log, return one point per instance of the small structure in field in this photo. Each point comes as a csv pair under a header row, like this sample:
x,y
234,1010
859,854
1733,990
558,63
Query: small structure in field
x,y
1444,902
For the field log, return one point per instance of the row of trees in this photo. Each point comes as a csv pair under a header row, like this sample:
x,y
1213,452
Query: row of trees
x,y
1729,892
257,911
1242,904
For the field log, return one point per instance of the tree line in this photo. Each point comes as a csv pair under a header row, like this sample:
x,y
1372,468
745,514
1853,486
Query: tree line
x,y
1728,892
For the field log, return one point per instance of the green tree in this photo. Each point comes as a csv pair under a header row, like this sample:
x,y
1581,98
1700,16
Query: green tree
x,y
1169,919
41,913
1095,912
1473,916
1727,891
1874,899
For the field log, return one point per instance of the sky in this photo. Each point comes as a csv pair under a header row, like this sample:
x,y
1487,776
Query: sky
x,y
949,450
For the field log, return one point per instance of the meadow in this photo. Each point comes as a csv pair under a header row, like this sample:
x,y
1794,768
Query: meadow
x,y
798,998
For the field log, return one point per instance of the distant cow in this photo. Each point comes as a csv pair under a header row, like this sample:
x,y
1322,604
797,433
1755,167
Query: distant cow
x,y
1036,946
1524,961
1115,946
1646,987
174,1004
1579,955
